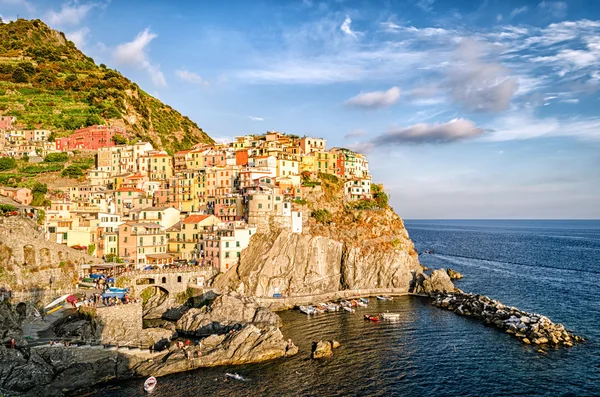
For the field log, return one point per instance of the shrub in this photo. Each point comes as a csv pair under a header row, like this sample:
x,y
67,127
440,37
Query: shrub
x,y
300,201
19,76
119,139
56,158
72,171
322,215
7,163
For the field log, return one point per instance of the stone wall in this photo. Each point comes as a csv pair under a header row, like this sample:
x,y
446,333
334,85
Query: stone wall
x,y
120,325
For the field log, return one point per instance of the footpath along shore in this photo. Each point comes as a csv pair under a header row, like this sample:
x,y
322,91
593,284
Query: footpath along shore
x,y
289,302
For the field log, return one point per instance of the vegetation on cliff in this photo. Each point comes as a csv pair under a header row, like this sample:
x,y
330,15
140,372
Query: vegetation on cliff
x,y
47,83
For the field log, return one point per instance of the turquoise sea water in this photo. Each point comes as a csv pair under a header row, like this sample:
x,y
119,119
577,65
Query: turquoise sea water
x,y
548,267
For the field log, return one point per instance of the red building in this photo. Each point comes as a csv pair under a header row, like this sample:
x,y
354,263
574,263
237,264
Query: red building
x,y
90,138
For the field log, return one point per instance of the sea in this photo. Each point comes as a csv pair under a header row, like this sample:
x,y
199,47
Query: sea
x,y
546,267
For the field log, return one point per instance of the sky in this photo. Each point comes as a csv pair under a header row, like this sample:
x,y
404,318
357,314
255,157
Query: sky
x,y
465,108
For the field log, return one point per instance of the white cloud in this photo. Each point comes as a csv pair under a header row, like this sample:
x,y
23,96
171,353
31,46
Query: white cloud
x,y
375,99
346,27
518,11
355,134
521,125
252,118
133,54
70,13
477,84
78,36
557,8
452,131
191,77
425,5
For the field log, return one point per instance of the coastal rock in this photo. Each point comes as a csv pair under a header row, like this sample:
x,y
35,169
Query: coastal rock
x,y
453,274
439,281
321,349
228,311
372,252
157,337
10,325
529,328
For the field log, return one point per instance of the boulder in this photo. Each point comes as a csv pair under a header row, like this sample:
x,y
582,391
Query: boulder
x,y
227,312
321,349
439,281
453,274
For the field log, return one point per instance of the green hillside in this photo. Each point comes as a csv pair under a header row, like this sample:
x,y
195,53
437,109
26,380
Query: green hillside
x,y
46,82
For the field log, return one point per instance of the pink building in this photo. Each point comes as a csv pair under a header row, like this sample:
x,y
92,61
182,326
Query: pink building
x,y
19,194
6,122
90,138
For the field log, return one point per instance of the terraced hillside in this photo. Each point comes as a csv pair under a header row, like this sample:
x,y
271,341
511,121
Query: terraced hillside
x,y
46,82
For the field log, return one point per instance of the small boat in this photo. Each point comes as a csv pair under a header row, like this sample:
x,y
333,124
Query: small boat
x,y
354,303
332,307
307,310
56,301
363,304
323,305
384,298
235,376
150,384
349,309
344,303
364,300
390,316
428,252
318,310
371,318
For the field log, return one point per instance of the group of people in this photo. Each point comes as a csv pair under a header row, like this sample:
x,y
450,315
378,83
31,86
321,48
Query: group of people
x,y
190,353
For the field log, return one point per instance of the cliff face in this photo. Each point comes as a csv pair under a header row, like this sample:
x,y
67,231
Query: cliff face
x,y
358,250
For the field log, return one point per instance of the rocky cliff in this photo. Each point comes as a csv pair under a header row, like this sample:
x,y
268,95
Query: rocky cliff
x,y
28,261
348,249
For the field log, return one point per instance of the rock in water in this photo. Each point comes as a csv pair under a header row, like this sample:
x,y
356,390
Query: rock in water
x,y
322,349
227,312
439,281
453,274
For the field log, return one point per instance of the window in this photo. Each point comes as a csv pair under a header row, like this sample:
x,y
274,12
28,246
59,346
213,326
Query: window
x,y
227,254
238,254
237,243
259,206
227,244
164,280
178,279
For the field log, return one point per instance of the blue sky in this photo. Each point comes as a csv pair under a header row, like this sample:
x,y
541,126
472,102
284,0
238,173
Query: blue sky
x,y
466,109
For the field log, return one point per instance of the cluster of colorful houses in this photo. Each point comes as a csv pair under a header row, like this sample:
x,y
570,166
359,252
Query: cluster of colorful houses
x,y
202,205
18,143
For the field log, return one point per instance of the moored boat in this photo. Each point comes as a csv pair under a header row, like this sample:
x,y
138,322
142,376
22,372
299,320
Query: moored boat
x,y
306,310
384,298
344,303
390,316
371,317
354,303
150,384
364,300
332,307
349,309
362,304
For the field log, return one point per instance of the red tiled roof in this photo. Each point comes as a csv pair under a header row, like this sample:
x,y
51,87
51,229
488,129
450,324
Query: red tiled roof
x,y
130,189
195,218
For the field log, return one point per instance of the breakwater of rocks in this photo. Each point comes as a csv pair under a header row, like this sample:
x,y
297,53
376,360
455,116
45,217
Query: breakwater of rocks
x,y
529,328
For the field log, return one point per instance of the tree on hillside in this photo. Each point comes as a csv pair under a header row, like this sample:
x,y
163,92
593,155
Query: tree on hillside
x,y
7,163
19,76
119,139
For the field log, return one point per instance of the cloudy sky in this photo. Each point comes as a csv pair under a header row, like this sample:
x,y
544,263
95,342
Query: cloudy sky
x,y
466,108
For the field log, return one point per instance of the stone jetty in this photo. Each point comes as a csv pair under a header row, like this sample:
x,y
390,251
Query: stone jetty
x,y
529,328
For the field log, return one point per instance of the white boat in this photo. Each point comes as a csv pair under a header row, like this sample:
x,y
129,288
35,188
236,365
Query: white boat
x,y
348,309
390,316
364,300
150,384
363,304
323,305
384,298
235,376
332,307
56,301
344,303
307,310
318,310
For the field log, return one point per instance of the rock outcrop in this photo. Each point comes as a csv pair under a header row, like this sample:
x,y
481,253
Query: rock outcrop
x,y
438,281
10,325
323,348
453,274
227,312
529,328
